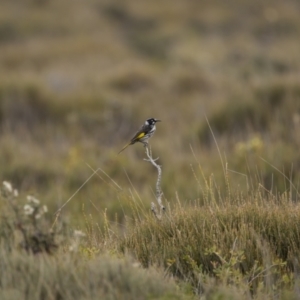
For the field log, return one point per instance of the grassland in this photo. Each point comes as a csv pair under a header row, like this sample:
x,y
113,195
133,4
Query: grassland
x,y
77,80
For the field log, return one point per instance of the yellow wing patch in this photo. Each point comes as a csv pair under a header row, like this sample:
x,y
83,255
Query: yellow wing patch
x,y
140,135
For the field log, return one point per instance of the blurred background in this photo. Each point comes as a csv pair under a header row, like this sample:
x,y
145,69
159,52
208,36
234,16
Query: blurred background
x,y
78,78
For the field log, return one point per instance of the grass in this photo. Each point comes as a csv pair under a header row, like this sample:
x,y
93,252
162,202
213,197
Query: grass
x,y
241,246
77,81
237,244
68,276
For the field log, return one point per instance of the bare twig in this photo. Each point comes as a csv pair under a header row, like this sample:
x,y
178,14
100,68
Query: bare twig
x,y
158,184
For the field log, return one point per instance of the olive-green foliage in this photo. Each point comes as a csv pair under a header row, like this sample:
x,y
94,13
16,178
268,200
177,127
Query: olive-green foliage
x,y
70,276
261,133
40,262
76,82
267,106
251,244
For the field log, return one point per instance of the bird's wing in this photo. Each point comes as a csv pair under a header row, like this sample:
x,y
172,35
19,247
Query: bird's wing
x,y
139,134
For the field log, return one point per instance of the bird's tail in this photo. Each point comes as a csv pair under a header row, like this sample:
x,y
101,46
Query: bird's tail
x,y
124,148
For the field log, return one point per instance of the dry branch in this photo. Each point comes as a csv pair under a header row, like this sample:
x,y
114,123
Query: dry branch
x,y
158,184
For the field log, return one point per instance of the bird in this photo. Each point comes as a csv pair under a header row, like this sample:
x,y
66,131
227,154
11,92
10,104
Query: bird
x,y
143,134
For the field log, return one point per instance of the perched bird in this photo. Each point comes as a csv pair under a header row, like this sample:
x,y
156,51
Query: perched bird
x,y
144,133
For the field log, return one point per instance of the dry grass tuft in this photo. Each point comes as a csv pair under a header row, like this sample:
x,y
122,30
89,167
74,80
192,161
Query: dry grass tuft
x,y
250,244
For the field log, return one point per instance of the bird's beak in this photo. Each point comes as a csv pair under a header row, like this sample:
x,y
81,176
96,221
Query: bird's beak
x,y
157,120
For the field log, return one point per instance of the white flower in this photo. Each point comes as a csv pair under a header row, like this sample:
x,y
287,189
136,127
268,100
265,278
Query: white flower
x,y
16,193
136,265
79,233
42,211
38,216
7,186
28,209
33,200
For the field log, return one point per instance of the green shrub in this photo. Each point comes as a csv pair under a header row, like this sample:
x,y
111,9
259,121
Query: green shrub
x,y
243,244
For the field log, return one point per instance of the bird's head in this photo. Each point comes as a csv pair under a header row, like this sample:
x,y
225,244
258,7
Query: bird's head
x,y
152,121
